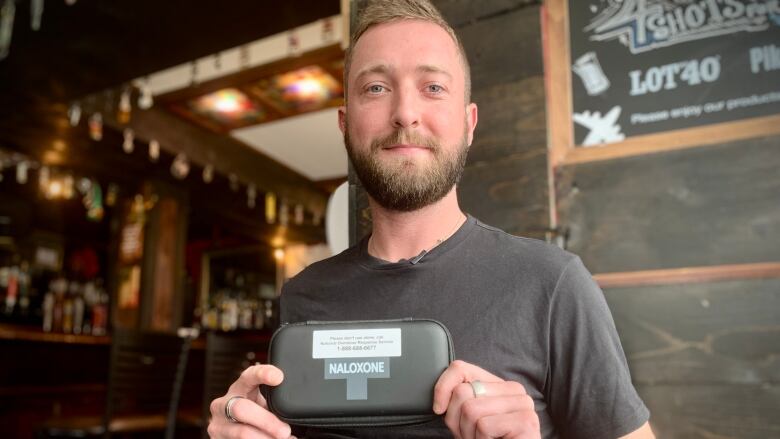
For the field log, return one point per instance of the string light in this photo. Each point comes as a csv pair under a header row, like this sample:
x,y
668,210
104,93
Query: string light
x,y
128,145
145,99
154,150
123,116
251,194
74,114
180,167
208,174
96,126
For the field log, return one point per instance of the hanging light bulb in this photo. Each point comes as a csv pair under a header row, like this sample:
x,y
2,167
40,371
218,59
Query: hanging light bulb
x,y
145,98
70,2
84,185
233,182
251,194
208,174
21,172
96,126
128,145
74,114
123,116
154,150
180,166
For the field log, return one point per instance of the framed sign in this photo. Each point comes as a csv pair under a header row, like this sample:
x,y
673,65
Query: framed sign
x,y
628,77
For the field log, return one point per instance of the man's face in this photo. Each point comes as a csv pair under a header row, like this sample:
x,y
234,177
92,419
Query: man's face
x,y
406,126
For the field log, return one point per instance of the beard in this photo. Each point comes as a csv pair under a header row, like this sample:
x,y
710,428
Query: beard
x,y
402,183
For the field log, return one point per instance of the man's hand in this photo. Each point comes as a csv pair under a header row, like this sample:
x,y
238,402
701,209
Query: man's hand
x,y
251,412
504,410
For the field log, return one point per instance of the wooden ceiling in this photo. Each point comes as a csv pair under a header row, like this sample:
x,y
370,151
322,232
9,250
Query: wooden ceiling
x,y
97,45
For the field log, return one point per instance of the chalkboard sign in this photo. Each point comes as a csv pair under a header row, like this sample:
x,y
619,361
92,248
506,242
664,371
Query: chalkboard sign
x,y
649,66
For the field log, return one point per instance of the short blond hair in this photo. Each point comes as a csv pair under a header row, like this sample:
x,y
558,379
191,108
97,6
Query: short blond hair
x,y
385,11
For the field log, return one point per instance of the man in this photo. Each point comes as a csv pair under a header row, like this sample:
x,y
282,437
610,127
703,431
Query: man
x,y
526,318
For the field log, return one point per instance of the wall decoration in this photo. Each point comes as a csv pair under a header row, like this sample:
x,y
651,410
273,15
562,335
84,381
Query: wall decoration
x,y
630,77
652,66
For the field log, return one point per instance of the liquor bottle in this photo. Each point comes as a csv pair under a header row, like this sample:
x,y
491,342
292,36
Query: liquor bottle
x,y
60,288
48,312
4,273
100,315
24,291
12,291
78,314
89,300
67,315
245,315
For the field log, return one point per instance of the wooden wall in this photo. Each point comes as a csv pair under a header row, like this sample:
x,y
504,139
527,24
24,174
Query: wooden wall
x,y
704,355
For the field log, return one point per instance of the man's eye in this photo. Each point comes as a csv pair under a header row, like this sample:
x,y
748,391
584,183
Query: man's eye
x,y
435,88
375,88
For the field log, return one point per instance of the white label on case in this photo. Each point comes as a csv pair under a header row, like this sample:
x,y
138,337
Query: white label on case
x,y
357,343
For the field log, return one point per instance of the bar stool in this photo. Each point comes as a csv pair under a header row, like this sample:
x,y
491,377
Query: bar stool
x,y
145,376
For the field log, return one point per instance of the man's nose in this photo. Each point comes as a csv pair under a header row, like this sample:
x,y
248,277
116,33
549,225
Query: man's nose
x,y
406,109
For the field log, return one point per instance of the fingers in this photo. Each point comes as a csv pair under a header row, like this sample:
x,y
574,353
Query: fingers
x,y
236,431
467,416
474,410
510,425
463,396
457,373
252,377
254,420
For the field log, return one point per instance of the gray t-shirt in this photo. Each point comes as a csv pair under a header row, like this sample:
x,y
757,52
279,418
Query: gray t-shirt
x,y
522,309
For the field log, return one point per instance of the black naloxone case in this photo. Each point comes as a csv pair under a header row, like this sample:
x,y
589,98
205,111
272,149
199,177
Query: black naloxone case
x,y
358,373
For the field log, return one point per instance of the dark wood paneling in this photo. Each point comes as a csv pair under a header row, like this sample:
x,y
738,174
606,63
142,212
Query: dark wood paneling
x,y
703,206
705,357
505,181
723,332
503,48
462,12
713,411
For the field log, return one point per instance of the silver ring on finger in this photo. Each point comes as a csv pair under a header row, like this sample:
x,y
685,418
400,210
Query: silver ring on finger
x,y
478,388
229,408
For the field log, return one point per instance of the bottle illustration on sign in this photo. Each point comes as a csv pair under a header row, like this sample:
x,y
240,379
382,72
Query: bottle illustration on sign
x,y
587,67
603,129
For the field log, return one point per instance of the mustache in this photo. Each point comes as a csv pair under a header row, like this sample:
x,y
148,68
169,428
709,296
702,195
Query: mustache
x,y
407,137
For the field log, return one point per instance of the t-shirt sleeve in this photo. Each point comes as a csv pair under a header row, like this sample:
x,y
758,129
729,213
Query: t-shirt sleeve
x,y
589,388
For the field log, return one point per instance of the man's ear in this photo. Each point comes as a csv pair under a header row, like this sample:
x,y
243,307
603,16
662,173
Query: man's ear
x,y
343,119
471,120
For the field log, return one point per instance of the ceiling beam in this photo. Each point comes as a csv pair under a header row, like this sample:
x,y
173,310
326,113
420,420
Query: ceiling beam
x,y
225,153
